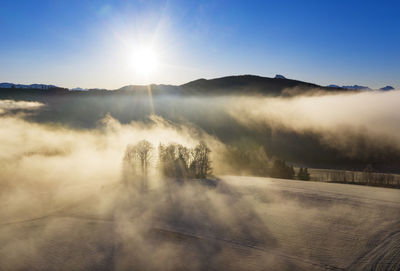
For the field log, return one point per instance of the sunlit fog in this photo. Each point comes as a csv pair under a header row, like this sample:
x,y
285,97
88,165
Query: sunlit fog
x,y
199,135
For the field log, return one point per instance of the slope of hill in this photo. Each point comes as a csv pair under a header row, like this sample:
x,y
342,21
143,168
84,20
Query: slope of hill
x,y
240,84
243,224
248,84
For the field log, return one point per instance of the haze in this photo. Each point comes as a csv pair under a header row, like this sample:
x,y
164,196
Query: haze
x,y
211,135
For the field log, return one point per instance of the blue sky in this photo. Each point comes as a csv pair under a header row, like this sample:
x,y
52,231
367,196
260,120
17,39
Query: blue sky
x,y
90,43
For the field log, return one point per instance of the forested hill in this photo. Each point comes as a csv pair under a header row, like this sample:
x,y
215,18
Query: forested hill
x,y
236,85
252,84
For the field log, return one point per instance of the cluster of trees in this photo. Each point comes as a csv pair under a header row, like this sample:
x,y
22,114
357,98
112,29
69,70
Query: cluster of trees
x,y
247,158
279,169
181,162
175,161
303,174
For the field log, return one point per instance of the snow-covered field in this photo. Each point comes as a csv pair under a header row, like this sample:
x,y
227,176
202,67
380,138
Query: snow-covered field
x,y
245,223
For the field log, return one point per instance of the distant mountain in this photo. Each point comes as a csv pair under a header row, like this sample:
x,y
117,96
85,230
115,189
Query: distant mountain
x,y
6,85
248,84
32,86
240,84
279,76
356,87
78,89
229,85
387,88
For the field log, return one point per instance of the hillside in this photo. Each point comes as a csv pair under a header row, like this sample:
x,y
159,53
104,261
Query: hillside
x,y
233,85
243,224
207,105
249,84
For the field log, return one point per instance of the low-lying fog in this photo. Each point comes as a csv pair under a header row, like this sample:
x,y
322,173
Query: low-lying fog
x,y
334,130
338,119
66,158
44,154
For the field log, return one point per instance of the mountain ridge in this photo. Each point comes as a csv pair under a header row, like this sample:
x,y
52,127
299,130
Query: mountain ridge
x,y
234,84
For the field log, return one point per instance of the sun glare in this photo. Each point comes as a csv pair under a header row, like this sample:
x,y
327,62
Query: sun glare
x,y
145,60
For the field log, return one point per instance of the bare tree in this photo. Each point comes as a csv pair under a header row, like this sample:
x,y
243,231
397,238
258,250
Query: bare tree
x,y
137,160
144,151
173,160
201,164
181,162
130,168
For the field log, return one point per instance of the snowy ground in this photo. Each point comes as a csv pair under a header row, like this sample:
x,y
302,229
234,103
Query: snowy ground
x,y
245,223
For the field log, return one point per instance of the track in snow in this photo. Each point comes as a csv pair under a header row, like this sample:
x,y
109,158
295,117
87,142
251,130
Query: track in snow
x,y
245,224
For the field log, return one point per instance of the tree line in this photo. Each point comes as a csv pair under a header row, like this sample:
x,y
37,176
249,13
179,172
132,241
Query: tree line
x,y
174,161
368,176
280,169
181,162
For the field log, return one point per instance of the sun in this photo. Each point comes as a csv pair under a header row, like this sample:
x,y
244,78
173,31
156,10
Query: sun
x,y
144,60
